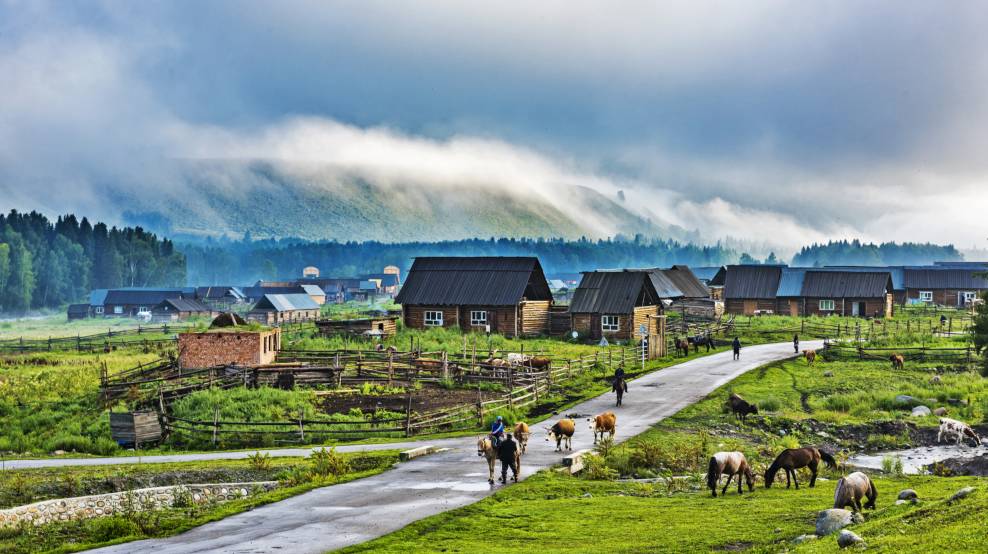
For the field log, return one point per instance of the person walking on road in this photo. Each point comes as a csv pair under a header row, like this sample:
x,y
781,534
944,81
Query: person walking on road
x,y
736,346
795,343
508,454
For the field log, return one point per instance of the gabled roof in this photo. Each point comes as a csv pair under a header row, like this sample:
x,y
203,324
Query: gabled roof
x,y
387,279
752,281
945,277
78,309
846,284
219,291
686,281
664,286
313,290
368,285
97,297
896,271
140,296
614,292
285,303
479,281
181,305
791,282
557,284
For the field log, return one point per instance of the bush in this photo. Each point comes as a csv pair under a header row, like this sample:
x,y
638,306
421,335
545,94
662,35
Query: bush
x,y
596,469
105,529
769,404
259,461
328,462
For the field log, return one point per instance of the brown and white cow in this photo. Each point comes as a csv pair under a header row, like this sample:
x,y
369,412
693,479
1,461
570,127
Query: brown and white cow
x,y
562,431
521,434
604,423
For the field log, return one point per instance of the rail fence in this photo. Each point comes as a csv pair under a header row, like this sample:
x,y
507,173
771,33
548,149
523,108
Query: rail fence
x,y
89,343
953,356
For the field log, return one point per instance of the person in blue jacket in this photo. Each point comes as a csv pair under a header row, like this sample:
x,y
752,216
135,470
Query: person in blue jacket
x,y
497,431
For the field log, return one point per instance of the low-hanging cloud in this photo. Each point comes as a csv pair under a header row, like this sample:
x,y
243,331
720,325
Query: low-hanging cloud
x,y
778,123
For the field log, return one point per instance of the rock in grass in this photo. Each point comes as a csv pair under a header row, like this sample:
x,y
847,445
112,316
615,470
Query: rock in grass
x,y
828,373
804,538
908,494
941,411
848,538
833,520
963,493
921,411
906,400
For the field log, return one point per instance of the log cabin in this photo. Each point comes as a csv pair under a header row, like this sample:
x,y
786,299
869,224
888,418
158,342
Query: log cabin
x,y
804,291
955,285
275,309
751,289
615,304
506,295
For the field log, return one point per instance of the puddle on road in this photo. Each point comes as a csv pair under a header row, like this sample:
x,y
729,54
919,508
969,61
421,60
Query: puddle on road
x,y
915,460
460,486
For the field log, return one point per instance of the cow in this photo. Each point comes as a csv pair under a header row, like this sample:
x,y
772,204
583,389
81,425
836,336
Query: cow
x,y
810,356
539,362
951,428
521,435
562,431
604,423
741,407
898,362
515,359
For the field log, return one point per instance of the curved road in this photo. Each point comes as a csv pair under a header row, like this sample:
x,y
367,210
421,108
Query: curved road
x,y
341,515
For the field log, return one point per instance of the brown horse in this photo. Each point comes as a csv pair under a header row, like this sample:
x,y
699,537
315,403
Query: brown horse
x,y
810,356
792,459
741,407
852,488
730,464
620,386
898,362
682,346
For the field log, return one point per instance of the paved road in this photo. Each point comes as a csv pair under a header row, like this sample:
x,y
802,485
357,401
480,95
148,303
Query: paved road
x,y
333,517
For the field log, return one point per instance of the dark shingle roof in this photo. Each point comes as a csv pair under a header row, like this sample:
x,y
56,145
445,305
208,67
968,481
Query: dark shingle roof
x,y
218,292
664,285
752,281
613,292
181,305
846,284
945,277
686,281
138,296
480,281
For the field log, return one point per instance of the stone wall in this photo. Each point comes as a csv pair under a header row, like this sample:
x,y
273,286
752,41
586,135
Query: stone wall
x,y
84,507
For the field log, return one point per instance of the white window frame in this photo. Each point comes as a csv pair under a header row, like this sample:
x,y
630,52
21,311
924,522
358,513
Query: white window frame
x,y
968,296
478,318
610,323
118,310
433,318
98,310
827,305
926,296
142,309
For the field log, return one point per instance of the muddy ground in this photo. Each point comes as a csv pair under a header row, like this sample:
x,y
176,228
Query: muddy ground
x,y
427,399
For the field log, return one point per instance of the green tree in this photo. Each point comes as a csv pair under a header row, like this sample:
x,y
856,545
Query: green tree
x,y
979,330
16,295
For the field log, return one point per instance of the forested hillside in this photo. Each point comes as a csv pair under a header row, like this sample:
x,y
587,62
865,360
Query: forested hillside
x,y
47,265
887,253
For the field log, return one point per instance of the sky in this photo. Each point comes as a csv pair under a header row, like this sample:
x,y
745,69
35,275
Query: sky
x,y
779,122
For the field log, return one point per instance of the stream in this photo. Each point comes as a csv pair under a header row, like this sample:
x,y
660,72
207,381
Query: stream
x,y
915,460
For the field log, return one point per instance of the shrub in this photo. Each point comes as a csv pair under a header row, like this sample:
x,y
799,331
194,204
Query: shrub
x,y
328,462
769,404
259,461
109,528
596,469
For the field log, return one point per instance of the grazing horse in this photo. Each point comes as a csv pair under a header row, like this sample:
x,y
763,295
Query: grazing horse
x,y
562,431
682,346
521,435
604,423
810,356
701,340
957,429
741,407
620,387
485,448
730,464
898,362
792,459
852,488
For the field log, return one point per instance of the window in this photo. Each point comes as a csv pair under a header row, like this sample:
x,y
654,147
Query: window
x,y
826,305
434,319
610,323
926,295
98,310
478,317
118,309
968,297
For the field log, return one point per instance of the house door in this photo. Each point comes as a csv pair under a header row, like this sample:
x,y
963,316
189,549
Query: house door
x,y
750,306
595,331
794,308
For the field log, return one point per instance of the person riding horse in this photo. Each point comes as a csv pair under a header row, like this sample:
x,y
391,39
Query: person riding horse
x,y
497,432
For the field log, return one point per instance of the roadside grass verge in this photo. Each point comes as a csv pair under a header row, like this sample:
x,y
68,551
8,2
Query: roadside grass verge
x,y
75,536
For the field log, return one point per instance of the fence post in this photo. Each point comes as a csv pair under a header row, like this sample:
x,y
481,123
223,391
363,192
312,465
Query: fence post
x,y
408,415
49,343
301,426
536,388
480,408
216,423
511,388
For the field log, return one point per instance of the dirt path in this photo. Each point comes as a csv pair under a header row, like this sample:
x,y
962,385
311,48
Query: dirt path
x,y
334,517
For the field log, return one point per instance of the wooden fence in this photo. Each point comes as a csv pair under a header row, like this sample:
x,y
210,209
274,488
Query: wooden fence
x,y
89,343
953,356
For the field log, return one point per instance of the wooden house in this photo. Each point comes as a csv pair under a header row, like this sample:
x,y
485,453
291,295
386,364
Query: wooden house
x,y
507,295
130,302
806,291
221,297
616,305
180,309
382,326
944,285
275,309
751,289
78,311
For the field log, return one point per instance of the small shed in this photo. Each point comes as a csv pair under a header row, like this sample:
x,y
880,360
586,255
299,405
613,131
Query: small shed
x,y
228,346
274,309
179,309
385,326
135,428
78,311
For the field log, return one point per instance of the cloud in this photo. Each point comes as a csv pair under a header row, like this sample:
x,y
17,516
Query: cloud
x,y
772,121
